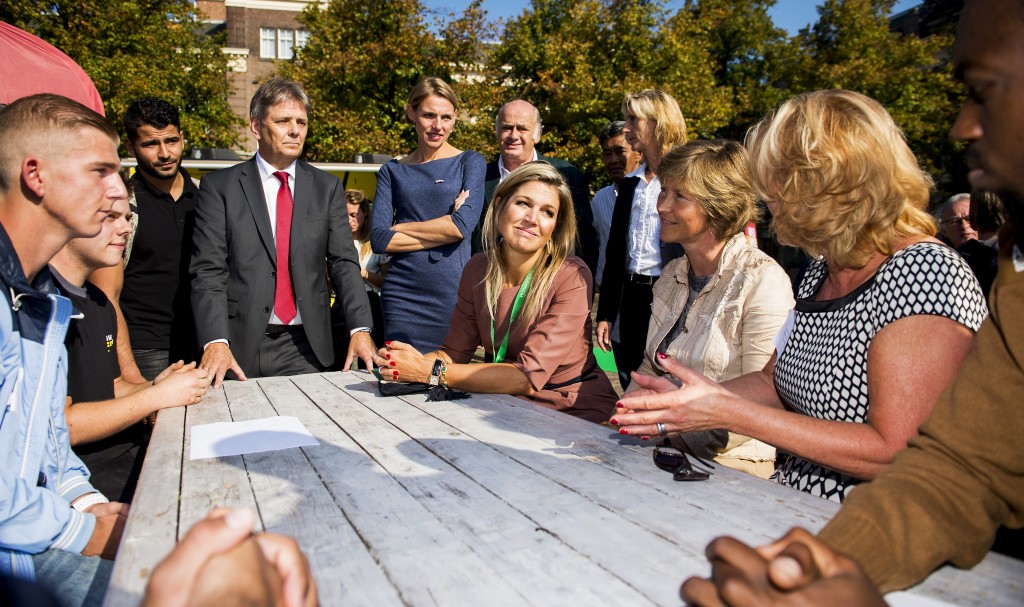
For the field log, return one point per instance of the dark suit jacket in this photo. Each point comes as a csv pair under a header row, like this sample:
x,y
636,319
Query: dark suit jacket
x,y
615,255
587,241
234,260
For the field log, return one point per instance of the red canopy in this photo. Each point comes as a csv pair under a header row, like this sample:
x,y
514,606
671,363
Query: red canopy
x,y
31,65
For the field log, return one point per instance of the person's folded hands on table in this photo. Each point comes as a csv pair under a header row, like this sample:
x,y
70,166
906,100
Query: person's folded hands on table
x,y
220,562
798,569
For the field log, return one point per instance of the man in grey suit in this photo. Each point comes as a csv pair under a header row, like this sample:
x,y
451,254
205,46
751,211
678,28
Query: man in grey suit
x,y
265,231
518,128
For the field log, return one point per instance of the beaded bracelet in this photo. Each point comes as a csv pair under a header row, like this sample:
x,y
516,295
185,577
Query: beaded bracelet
x,y
443,377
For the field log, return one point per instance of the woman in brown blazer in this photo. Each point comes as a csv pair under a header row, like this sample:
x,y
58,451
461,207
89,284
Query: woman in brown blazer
x,y
526,300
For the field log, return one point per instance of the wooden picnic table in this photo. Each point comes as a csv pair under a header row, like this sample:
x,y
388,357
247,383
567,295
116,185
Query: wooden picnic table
x,y
490,500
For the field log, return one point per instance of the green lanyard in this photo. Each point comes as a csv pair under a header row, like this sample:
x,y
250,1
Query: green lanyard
x,y
499,355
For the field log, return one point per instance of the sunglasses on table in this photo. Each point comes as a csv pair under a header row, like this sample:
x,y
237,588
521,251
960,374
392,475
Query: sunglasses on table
x,y
672,459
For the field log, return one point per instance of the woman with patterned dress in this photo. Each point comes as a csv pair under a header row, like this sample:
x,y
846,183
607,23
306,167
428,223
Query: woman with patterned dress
x,y
426,206
526,300
883,319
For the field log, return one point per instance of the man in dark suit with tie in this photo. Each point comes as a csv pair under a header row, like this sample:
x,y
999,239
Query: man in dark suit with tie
x,y
265,231
518,128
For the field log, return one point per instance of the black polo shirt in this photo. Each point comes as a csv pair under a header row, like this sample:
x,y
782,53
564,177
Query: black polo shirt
x,y
155,299
91,341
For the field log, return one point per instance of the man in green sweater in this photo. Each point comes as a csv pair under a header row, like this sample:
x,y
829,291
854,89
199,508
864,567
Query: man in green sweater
x,y
945,496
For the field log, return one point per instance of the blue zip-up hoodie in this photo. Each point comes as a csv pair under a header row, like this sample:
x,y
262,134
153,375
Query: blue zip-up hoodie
x,y
39,474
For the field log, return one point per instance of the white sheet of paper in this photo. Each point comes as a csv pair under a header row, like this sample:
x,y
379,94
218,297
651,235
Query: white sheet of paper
x,y
237,438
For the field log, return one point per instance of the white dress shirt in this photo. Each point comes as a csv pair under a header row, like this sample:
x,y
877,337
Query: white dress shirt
x,y
602,205
644,238
503,172
271,186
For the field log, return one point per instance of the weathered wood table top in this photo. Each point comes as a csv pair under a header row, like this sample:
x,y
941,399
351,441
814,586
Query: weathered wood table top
x,y
491,500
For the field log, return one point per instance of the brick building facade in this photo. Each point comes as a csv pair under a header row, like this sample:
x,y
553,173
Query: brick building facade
x,y
259,32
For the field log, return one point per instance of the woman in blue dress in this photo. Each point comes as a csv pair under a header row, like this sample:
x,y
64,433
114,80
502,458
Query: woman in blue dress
x,y
425,209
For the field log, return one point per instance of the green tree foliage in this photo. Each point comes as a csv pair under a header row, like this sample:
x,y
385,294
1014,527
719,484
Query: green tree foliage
x,y
723,60
851,47
687,70
136,48
576,59
748,52
464,42
725,63
362,59
572,59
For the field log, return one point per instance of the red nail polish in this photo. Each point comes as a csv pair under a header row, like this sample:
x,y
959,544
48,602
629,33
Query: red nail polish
x,y
388,343
393,363
387,356
396,375
645,438
620,406
662,355
623,431
615,422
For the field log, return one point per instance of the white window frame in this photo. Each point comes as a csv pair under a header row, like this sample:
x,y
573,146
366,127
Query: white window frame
x,y
268,40
284,42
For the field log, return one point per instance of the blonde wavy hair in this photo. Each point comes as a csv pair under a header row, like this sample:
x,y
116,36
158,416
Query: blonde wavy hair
x,y
561,245
716,174
659,106
844,182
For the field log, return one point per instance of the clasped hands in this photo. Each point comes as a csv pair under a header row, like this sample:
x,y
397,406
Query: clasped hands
x,y
798,569
695,404
221,559
399,361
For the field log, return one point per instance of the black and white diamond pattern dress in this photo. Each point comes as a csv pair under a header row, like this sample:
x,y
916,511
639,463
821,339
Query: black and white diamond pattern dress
x,y
822,370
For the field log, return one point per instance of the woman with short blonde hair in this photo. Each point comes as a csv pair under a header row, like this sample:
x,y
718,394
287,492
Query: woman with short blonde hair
x,y
661,108
526,300
718,307
716,174
883,319
635,254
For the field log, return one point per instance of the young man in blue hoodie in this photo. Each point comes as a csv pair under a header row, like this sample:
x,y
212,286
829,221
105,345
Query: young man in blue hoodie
x,y
58,181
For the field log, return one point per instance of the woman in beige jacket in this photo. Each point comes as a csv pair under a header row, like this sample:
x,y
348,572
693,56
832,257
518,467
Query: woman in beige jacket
x,y
718,308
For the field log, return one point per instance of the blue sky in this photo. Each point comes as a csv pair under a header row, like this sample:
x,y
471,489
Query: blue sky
x,y
788,14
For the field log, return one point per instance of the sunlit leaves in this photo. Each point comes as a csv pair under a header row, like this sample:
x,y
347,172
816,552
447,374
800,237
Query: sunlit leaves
x,y
135,48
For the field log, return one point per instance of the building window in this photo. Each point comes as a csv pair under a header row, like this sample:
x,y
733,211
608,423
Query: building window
x,y
285,44
281,43
268,43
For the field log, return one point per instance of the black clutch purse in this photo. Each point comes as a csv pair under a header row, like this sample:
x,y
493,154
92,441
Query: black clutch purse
x,y
434,393
396,388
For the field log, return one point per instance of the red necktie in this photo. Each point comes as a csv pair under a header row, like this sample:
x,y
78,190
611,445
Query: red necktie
x,y
284,300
